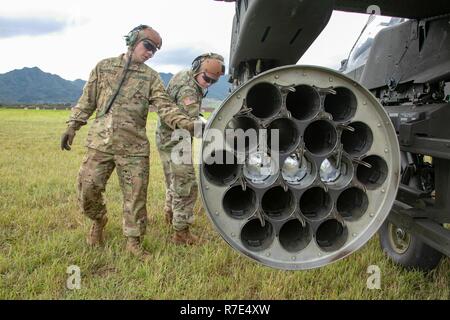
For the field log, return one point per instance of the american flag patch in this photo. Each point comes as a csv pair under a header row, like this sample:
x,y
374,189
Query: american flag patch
x,y
189,100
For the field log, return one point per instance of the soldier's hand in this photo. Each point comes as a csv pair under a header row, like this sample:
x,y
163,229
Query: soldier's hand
x,y
195,127
67,138
187,125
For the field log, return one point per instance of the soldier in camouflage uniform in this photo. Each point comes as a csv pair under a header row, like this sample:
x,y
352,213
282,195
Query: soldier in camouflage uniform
x,y
120,90
187,89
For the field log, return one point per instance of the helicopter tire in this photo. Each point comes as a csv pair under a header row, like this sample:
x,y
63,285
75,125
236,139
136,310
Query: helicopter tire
x,y
406,249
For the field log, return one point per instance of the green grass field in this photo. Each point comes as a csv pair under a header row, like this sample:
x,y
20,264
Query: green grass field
x,y
42,233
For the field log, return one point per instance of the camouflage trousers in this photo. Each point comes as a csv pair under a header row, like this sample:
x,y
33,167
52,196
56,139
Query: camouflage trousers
x,y
181,189
133,173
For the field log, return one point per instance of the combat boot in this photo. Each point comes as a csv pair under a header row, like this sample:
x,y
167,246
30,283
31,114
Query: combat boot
x,y
96,236
134,246
168,213
185,237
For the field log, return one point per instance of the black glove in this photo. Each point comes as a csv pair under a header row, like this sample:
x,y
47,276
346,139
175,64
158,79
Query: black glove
x,y
67,138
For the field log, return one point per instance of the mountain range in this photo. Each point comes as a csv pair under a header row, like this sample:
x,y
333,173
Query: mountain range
x,y
34,86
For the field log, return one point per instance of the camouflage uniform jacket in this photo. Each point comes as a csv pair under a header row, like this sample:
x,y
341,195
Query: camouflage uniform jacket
x,y
122,130
188,95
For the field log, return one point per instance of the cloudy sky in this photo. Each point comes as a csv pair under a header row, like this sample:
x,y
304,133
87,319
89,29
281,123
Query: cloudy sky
x,y
69,37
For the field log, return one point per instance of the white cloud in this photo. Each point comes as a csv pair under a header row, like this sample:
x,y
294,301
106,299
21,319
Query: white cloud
x,y
96,30
336,40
